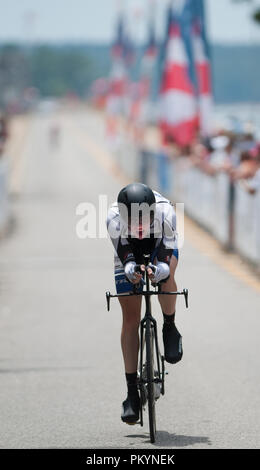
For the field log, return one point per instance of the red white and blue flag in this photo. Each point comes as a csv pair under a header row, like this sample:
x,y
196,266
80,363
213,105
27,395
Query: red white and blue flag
x,y
150,55
118,75
202,67
146,73
178,106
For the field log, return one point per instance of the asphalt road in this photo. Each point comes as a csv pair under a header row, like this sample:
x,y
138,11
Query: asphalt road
x,y
61,369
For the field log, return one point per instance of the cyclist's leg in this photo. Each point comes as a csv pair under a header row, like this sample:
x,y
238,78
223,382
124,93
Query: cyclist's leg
x,y
131,311
168,302
171,337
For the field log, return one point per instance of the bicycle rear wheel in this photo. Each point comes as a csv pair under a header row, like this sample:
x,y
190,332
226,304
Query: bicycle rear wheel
x,y
149,341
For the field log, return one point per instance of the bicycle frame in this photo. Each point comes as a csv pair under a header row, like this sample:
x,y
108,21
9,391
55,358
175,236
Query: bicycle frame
x,y
148,314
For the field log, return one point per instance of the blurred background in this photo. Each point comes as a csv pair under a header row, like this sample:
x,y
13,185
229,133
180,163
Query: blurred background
x,y
169,79
94,95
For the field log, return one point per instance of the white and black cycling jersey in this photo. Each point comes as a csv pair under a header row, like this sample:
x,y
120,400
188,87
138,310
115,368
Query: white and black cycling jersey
x,y
162,237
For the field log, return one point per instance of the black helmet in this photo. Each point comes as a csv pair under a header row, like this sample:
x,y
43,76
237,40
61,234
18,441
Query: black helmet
x,y
134,193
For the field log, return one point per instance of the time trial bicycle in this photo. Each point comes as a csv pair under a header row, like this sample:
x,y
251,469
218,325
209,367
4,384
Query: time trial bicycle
x,y
151,368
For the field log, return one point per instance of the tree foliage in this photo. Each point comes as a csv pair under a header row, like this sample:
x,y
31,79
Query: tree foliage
x,y
255,14
14,72
53,70
58,70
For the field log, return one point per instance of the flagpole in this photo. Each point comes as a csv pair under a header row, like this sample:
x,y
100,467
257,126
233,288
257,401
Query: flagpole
x,y
120,7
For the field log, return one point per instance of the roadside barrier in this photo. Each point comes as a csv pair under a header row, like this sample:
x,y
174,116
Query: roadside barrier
x,y
230,214
247,224
4,205
205,198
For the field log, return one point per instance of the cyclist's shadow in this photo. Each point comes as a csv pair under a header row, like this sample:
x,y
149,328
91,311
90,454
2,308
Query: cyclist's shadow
x,y
164,439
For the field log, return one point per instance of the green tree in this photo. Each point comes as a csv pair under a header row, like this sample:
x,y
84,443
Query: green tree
x,y
255,14
58,70
14,72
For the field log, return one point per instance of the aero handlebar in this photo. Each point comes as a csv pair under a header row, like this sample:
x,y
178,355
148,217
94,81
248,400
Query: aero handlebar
x,y
147,293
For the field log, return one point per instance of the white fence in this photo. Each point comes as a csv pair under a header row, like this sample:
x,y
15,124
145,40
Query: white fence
x,y
234,220
247,224
206,198
4,205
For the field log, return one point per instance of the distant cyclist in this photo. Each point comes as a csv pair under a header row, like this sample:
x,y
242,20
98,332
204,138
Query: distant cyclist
x,y
54,135
143,222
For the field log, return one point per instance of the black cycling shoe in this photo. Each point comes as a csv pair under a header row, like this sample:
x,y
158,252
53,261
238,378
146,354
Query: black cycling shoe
x,y
172,341
130,409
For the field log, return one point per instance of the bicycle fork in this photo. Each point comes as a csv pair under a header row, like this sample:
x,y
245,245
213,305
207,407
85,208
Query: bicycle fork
x,y
158,378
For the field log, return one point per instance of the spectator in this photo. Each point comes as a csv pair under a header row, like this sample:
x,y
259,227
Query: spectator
x,y
246,142
250,179
3,133
223,157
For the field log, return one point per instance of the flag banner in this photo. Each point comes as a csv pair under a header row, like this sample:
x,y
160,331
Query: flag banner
x,y
202,67
146,73
118,79
178,107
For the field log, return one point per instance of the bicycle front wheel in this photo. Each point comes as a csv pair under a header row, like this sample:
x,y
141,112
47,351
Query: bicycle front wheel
x,y
149,340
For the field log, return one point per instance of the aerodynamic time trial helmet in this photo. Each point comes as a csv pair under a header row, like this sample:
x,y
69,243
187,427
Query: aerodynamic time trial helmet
x,y
136,205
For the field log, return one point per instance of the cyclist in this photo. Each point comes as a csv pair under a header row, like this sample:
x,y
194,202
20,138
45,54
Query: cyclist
x,y
142,222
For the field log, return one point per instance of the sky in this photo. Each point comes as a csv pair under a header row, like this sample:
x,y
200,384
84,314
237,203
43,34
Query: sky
x,y
94,20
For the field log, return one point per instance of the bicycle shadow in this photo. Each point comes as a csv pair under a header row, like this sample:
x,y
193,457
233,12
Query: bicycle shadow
x,y
166,439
